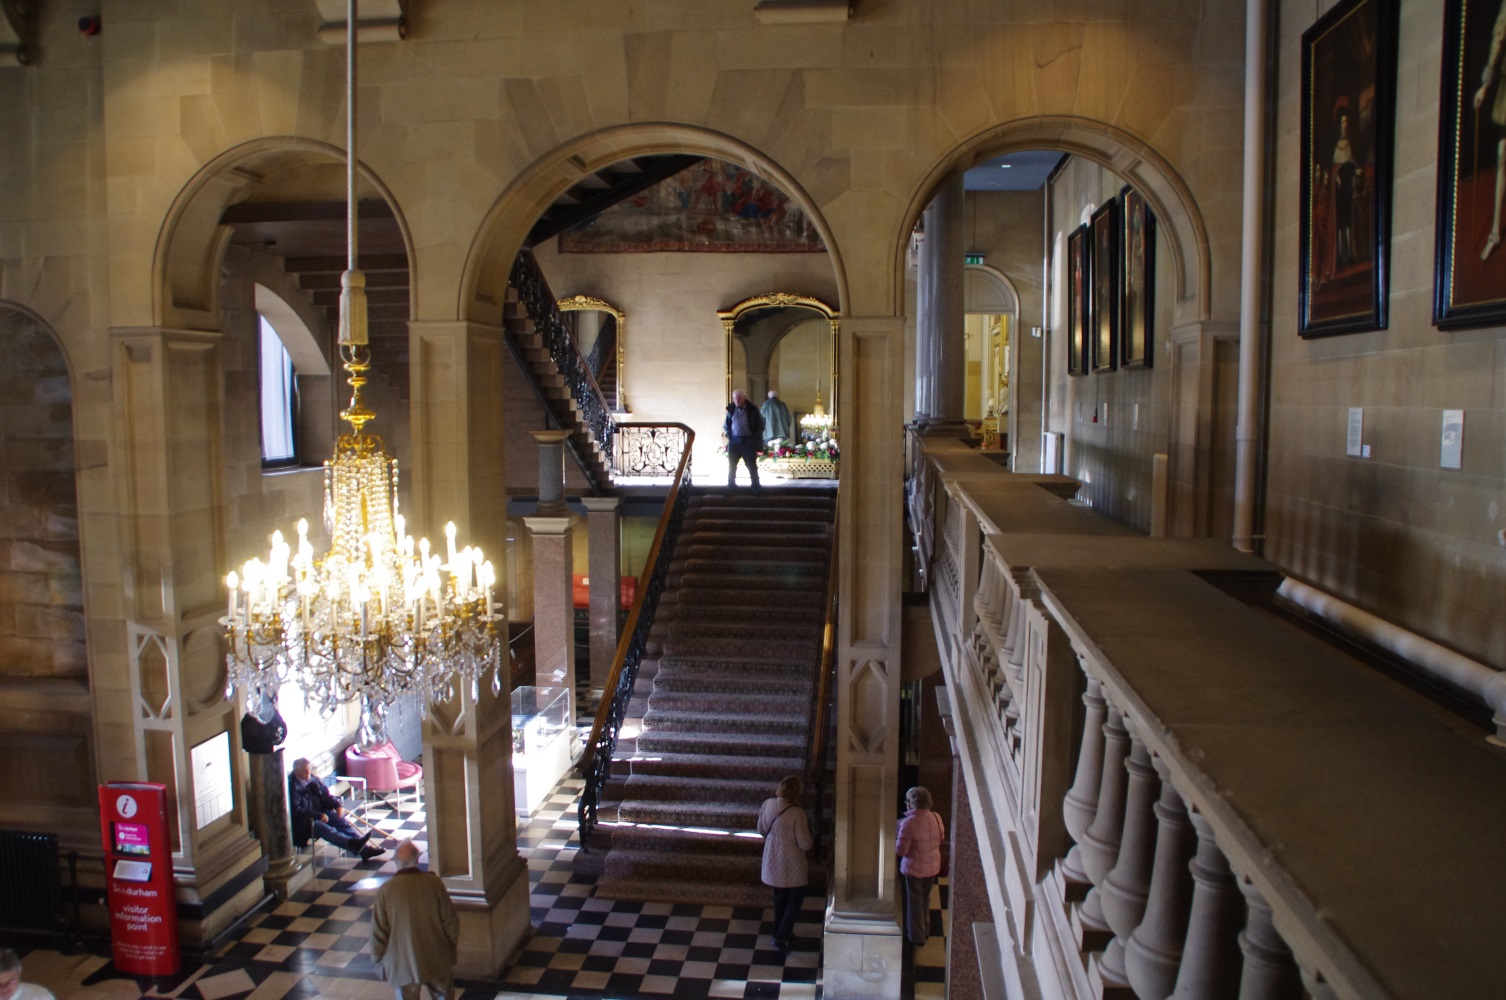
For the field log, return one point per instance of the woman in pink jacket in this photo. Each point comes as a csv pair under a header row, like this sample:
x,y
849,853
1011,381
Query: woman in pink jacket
x,y
918,844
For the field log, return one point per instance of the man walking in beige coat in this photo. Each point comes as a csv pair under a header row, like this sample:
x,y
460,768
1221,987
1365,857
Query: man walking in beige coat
x,y
414,929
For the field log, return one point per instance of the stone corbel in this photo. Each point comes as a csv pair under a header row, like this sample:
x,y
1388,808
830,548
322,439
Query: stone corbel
x,y
376,21
803,11
18,30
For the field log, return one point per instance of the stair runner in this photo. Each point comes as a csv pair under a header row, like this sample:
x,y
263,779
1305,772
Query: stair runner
x,y
723,703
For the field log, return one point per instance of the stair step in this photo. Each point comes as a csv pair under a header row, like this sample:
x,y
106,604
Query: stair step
x,y
783,703
711,791
806,631
750,724
752,567
745,745
749,540
702,815
765,649
712,765
787,616
812,585
782,553
744,682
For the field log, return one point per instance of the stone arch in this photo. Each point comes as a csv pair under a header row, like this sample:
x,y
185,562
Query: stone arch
x,y
981,279
1179,220
502,232
192,241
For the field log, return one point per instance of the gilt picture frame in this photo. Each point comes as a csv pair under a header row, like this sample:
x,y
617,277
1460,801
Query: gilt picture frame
x,y
1103,322
1348,134
1469,275
1138,281
1079,300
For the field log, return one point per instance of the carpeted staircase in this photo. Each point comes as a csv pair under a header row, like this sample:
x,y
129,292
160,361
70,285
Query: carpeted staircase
x,y
723,703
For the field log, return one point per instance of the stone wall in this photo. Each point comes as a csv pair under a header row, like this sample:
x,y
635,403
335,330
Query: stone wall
x,y
1393,533
1113,422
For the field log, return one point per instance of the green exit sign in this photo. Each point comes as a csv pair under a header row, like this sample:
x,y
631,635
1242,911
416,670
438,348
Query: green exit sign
x,y
972,258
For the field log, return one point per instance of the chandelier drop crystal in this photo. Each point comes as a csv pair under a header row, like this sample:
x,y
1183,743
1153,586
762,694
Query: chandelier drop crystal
x,y
376,618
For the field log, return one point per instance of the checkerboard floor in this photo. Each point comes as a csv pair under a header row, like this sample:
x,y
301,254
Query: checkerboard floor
x,y
317,943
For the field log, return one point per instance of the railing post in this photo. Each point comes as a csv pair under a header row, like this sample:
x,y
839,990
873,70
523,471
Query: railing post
x,y
1127,887
1269,972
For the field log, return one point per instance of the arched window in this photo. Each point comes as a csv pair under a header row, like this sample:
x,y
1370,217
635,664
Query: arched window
x,y
279,399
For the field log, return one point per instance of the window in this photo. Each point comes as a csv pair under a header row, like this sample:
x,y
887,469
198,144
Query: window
x,y
279,399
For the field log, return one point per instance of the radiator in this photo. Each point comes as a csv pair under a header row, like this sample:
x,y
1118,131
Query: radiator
x,y
29,889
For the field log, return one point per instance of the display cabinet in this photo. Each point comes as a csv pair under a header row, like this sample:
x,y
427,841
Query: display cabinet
x,y
540,743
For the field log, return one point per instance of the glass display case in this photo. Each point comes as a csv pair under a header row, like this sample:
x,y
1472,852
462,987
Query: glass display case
x,y
540,744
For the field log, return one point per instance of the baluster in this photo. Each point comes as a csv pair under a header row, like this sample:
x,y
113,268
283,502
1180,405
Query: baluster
x,y
1269,971
1154,951
1100,843
1125,890
1014,616
1210,956
1081,801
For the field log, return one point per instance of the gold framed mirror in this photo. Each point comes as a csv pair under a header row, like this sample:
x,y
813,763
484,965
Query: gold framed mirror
x,y
591,320
788,344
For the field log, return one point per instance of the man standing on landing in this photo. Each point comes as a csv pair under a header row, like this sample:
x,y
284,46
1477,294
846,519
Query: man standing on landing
x,y
744,430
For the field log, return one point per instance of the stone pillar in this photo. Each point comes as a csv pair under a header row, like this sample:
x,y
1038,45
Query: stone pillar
x,y
551,471
1210,955
168,415
925,361
942,271
1154,951
604,529
458,429
269,815
1269,971
862,935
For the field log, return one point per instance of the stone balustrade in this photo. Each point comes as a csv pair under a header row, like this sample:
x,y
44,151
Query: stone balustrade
x,y
1176,793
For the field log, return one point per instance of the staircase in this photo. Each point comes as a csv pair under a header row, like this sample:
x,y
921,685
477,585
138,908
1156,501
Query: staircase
x,y
548,355
724,698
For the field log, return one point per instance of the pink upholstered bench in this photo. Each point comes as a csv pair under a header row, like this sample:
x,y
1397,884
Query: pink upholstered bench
x,y
383,769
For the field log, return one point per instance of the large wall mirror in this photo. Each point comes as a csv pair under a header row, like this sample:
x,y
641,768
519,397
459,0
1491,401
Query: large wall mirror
x,y
597,327
787,344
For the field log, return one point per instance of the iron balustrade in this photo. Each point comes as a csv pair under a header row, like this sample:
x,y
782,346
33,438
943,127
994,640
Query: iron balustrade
x,y
648,450
596,763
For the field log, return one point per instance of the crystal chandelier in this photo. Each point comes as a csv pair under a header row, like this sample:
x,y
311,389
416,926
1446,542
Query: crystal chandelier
x,y
375,618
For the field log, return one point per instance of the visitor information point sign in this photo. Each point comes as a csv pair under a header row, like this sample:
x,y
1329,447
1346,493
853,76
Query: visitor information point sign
x,y
139,873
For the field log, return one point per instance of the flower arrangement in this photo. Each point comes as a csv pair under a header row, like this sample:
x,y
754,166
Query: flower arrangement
x,y
823,446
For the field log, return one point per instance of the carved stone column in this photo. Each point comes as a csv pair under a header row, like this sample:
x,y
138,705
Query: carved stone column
x,y
1210,957
604,553
862,935
1154,951
1269,971
458,430
168,416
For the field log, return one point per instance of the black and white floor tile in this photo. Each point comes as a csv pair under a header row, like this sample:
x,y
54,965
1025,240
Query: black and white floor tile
x,y
317,943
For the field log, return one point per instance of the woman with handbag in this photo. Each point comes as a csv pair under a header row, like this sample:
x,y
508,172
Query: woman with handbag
x,y
787,836
918,844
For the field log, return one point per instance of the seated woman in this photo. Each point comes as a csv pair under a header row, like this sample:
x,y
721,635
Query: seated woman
x,y
317,813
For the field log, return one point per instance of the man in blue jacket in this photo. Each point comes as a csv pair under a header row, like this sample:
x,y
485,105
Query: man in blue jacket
x,y
744,430
317,813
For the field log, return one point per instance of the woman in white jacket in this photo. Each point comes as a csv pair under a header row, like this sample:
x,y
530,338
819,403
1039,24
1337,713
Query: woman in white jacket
x,y
787,836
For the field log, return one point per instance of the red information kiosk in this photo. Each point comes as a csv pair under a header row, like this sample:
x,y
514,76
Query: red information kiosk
x,y
139,870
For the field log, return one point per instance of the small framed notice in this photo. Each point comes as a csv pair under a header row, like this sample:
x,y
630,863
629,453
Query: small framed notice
x,y
1451,449
1354,440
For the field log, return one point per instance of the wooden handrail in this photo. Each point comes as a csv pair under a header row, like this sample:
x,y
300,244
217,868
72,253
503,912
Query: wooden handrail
x,y
625,641
828,650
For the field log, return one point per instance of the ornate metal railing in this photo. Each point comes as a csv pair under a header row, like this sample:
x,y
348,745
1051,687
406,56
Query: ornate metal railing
x,y
647,450
596,763
543,308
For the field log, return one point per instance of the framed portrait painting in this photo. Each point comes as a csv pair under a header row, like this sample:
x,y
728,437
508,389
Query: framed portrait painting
x,y
1138,280
1079,300
1348,130
1103,320
1469,286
